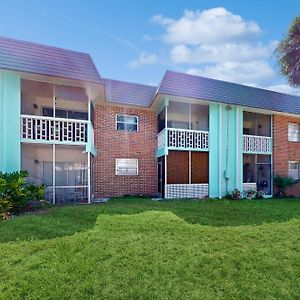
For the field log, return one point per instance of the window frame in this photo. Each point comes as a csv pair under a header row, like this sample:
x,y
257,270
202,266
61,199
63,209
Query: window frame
x,y
298,164
67,111
298,132
126,159
126,115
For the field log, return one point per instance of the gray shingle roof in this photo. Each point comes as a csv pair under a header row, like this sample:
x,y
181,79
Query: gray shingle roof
x,y
184,85
129,93
46,60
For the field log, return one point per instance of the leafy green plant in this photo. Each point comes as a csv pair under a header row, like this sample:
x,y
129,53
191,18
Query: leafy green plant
x,y
282,183
250,194
15,192
236,195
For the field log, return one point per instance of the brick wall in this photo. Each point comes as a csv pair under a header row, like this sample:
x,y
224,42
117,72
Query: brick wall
x,y
112,144
284,150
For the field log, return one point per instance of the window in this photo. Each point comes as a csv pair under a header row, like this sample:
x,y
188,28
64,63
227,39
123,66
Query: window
x,y
294,132
126,123
65,113
126,166
294,170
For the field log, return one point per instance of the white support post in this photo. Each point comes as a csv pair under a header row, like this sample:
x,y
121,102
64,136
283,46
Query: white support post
x,y
272,162
237,162
53,147
89,156
89,177
220,150
165,175
190,167
53,171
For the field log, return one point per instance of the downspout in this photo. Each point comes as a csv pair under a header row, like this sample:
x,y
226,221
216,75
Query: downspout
x,y
228,108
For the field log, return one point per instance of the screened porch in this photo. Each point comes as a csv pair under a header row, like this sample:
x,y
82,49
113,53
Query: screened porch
x,y
64,170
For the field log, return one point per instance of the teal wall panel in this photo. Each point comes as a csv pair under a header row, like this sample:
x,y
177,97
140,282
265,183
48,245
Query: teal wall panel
x,y
10,112
214,125
225,149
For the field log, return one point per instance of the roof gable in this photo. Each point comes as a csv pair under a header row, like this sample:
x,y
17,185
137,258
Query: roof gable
x,y
128,93
191,86
46,60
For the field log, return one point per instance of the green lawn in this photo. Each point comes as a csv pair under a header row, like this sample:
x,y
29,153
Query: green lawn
x,y
140,249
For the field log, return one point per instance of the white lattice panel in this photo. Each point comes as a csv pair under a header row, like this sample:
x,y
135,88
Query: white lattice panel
x,y
257,144
187,139
249,186
178,191
53,129
161,139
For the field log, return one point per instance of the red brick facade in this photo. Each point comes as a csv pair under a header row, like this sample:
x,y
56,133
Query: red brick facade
x,y
284,150
112,144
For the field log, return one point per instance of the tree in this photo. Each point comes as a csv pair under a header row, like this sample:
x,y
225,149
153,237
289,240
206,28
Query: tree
x,y
288,52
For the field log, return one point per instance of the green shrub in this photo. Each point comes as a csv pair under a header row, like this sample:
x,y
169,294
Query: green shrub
x,y
15,192
235,195
282,183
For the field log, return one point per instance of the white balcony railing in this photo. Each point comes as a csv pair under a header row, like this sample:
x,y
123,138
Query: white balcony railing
x,y
257,144
39,128
183,139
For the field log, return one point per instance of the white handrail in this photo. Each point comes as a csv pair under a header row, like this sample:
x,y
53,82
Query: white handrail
x,y
55,119
257,136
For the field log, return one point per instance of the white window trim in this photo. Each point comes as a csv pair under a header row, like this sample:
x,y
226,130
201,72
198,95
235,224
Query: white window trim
x,y
126,115
137,166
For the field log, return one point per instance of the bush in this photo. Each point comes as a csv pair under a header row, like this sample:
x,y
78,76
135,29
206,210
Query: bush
x,y
15,192
250,194
282,183
235,195
259,195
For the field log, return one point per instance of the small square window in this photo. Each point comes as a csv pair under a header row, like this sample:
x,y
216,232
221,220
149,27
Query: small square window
x,y
294,132
293,170
126,123
126,166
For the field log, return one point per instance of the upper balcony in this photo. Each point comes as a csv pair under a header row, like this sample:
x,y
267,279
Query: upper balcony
x,y
257,130
183,126
55,114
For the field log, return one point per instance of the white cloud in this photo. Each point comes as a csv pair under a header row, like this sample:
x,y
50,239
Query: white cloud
x,y
245,72
144,59
210,26
219,44
236,52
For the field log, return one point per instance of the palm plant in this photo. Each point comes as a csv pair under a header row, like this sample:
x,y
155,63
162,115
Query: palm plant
x,y
282,183
288,52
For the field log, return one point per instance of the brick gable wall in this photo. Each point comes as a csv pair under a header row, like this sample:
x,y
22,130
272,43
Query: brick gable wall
x,y
284,150
112,144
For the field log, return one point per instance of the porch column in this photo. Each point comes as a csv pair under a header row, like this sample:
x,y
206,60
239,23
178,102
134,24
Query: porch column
x,y
10,115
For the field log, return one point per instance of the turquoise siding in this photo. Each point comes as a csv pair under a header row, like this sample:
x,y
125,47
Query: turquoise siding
x,y
225,149
214,125
10,113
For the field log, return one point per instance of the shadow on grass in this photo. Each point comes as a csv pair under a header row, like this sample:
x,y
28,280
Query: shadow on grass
x,y
62,221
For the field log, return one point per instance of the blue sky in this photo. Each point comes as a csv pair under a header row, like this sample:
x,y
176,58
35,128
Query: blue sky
x,y
138,40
